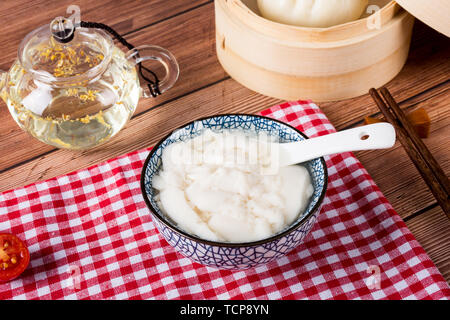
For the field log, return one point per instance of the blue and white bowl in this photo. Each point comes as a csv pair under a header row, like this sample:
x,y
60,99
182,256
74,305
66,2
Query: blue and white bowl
x,y
234,255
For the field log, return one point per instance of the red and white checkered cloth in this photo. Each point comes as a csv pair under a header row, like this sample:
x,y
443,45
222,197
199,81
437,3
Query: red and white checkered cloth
x,y
91,236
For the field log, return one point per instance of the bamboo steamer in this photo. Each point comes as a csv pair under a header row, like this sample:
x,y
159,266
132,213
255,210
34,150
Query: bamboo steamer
x,y
323,64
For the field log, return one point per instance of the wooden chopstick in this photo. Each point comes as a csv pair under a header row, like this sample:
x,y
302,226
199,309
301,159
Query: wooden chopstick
x,y
419,154
437,170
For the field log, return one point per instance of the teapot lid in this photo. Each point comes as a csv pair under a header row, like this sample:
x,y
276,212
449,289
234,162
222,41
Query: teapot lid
x,y
59,53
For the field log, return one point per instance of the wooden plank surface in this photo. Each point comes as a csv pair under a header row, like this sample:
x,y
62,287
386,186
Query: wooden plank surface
x,y
432,230
187,29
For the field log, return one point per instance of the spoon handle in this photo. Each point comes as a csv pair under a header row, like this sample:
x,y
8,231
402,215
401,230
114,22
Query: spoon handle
x,y
374,136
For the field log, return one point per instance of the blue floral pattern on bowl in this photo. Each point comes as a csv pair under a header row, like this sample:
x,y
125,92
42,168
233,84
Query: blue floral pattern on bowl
x,y
234,255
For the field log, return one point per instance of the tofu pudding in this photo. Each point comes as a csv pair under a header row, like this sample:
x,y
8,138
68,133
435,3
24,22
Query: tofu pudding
x,y
227,187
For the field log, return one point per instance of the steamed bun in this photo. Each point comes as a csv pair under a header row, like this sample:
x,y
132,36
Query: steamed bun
x,y
312,13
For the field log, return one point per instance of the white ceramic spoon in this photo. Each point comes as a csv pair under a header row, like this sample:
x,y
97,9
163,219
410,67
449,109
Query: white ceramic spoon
x,y
373,136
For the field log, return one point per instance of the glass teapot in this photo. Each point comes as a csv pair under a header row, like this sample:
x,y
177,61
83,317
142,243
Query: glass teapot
x,y
72,88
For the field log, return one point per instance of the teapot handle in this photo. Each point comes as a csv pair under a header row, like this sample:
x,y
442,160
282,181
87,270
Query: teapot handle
x,y
165,57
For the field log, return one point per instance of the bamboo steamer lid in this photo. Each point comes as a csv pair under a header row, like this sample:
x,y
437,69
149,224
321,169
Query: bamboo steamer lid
x,y
434,13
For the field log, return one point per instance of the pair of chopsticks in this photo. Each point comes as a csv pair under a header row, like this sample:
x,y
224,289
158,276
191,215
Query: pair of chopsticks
x,y
419,154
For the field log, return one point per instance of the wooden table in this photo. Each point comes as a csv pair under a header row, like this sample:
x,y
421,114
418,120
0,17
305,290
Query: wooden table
x,y
187,29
